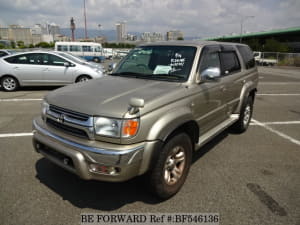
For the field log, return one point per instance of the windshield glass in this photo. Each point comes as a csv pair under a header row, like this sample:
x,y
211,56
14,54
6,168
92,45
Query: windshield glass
x,y
170,63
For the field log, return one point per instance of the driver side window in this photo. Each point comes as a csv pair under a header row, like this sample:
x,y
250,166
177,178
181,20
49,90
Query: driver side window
x,y
209,59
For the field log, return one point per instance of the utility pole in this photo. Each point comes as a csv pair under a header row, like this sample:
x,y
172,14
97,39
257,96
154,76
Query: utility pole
x,y
85,30
243,19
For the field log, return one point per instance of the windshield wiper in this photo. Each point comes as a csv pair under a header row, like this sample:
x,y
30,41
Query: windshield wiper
x,y
129,74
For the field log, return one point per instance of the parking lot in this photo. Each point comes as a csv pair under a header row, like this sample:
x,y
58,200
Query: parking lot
x,y
252,178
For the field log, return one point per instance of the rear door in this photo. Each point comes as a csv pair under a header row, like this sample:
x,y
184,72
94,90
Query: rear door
x,y
27,68
232,77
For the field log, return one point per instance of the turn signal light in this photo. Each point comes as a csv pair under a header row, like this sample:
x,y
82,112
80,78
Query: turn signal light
x,y
130,127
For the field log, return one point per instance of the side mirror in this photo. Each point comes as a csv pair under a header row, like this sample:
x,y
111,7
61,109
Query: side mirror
x,y
211,73
67,64
112,66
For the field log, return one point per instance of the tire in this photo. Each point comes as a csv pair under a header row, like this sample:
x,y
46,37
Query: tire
x,y
162,181
83,78
9,83
243,122
96,59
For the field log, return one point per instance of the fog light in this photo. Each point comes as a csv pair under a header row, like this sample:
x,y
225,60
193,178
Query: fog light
x,y
96,168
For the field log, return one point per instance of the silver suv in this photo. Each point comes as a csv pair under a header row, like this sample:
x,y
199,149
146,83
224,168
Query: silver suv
x,y
39,68
160,104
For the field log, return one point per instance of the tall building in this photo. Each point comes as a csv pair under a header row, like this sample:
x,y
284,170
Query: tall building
x,y
121,31
16,33
174,35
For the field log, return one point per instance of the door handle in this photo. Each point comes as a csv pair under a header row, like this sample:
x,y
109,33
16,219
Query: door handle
x,y
15,68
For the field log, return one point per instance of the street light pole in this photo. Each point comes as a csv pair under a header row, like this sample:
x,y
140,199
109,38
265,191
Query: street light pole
x,y
84,12
242,21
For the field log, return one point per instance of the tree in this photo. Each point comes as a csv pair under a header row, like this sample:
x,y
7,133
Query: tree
x,y
13,44
2,46
180,38
272,45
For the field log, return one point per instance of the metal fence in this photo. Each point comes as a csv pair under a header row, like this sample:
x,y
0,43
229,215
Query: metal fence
x,y
282,59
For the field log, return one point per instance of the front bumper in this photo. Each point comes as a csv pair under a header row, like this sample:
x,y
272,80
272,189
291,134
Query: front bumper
x,y
77,157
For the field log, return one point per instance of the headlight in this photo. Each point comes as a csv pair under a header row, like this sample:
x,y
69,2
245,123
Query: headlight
x,y
115,128
45,108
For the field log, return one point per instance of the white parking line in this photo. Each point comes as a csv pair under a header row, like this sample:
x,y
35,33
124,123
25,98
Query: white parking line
x,y
276,132
19,99
16,135
278,123
297,94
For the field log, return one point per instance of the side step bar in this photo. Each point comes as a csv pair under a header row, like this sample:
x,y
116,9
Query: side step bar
x,y
203,139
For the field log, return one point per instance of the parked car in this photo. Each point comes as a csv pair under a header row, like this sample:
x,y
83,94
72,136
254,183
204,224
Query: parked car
x,y
43,68
5,52
160,104
82,60
262,60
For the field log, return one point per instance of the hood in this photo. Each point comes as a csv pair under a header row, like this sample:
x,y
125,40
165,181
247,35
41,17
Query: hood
x,y
109,95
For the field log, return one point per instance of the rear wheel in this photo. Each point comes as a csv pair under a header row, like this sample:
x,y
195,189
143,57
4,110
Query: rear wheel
x,y
245,116
83,78
96,59
171,167
9,83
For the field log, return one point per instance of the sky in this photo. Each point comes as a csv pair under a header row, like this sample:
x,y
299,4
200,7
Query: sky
x,y
196,18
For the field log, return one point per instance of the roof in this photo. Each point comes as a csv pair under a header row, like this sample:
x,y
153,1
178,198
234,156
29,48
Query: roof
x,y
199,43
262,33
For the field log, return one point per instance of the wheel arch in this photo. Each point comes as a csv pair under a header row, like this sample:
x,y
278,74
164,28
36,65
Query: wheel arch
x,y
81,75
9,75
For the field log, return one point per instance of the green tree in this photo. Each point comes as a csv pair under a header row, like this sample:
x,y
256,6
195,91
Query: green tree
x,y
180,38
2,46
20,44
13,44
43,45
272,45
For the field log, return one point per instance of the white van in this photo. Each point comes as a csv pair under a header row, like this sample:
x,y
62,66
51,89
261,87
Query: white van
x,y
88,50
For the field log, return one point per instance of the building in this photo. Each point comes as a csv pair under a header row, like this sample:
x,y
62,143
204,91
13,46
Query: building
x,y
16,33
152,37
121,31
174,35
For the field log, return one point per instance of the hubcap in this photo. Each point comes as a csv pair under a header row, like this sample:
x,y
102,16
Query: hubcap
x,y
247,114
83,79
9,84
174,165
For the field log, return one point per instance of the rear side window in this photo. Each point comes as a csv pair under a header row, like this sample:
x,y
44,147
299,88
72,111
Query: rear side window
x,y
247,56
24,59
230,62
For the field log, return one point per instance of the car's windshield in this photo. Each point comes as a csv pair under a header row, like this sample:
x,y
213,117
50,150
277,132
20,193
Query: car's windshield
x,y
169,63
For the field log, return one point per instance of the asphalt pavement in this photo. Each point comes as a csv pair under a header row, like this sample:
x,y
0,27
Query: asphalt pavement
x,y
251,178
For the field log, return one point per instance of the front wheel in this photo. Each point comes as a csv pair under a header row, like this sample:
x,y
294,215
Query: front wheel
x,y
9,83
171,166
83,78
245,116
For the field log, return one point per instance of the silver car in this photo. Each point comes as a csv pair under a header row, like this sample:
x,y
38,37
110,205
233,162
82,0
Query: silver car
x,y
39,68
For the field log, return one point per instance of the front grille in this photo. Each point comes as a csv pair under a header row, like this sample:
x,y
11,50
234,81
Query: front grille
x,y
67,129
69,113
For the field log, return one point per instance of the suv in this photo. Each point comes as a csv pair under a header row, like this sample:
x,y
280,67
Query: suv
x,y
160,104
